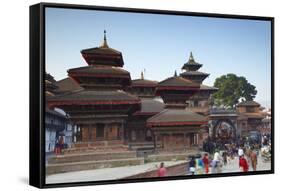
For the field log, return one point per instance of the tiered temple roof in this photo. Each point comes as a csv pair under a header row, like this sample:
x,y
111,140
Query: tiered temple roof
x,y
143,83
150,107
177,83
86,97
101,84
176,117
67,85
191,64
191,72
208,88
142,87
103,55
50,85
96,77
174,92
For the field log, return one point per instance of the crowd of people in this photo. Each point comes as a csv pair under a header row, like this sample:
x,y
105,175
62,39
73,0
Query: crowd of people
x,y
214,163
220,155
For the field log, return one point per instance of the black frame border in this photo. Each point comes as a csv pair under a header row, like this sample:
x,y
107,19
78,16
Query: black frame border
x,y
37,104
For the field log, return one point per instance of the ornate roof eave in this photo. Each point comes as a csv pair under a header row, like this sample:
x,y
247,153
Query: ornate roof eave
x,y
139,113
143,85
102,52
193,66
176,81
164,124
87,102
189,73
99,75
177,88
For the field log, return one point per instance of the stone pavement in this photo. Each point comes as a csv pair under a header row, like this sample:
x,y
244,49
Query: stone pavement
x,y
105,174
233,166
126,171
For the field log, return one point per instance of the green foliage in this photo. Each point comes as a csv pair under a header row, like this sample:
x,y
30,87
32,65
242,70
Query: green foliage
x,y
232,88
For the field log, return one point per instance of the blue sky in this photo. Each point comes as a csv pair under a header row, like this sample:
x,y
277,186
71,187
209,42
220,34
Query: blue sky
x,y
161,44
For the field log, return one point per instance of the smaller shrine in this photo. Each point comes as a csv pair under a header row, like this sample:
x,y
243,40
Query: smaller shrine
x,y
142,87
250,117
138,135
200,101
176,128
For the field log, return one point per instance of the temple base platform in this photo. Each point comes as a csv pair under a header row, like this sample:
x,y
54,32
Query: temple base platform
x,y
105,154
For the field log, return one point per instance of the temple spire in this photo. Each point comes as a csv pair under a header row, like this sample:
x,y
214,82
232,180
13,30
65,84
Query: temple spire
x,y
142,77
104,43
175,75
191,57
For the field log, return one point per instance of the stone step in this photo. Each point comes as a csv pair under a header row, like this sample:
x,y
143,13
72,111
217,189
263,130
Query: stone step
x,y
88,149
89,165
138,147
165,156
141,143
98,143
91,156
143,146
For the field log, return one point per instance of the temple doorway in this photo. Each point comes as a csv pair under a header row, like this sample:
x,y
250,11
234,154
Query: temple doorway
x,y
100,131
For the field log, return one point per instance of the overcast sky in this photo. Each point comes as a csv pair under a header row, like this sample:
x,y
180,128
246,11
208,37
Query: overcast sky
x,y
161,44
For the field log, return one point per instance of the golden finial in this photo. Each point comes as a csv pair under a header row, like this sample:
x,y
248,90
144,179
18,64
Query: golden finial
x,y
104,44
142,77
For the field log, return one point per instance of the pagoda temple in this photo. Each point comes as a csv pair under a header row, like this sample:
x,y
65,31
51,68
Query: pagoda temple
x,y
100,107
176,128
50,85
143,88
249,117
138,135
200,101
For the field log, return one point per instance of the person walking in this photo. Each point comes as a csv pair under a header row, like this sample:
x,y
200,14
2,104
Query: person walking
x,y
218,159
199,164
254,160
206,163
214,166
192,164
243,165
56,150
240,151
162,170
224,156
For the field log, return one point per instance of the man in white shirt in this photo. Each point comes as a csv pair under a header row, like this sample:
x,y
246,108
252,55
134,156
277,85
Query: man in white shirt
x,y
240,152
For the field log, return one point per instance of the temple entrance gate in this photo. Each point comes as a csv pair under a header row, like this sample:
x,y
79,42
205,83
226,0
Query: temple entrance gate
x,y
223,125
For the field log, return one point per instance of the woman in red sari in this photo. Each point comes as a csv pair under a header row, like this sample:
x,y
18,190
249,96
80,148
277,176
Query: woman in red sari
x,y
206,163
243,164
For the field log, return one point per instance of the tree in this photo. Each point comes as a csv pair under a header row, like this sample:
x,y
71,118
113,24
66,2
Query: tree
x,y
233,88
